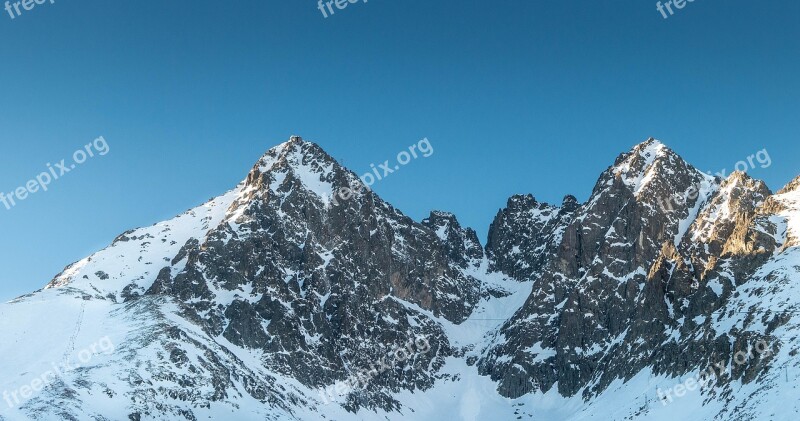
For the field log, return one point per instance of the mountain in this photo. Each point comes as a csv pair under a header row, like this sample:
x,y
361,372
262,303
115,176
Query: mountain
x,y
667,293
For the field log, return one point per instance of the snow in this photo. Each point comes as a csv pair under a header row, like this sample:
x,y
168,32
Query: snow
x,y
441,232
311,178
76,315
715,286
76,326
147,251
791,201
708,187
638,178
719,209
310,171
538,353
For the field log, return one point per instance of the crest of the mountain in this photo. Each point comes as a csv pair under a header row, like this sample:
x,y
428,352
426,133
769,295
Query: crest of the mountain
x,y
301,286
525,233
462,245
610,293
721,228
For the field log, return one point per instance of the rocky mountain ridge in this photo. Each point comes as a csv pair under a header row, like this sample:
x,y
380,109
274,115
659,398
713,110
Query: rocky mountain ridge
x,y
257,302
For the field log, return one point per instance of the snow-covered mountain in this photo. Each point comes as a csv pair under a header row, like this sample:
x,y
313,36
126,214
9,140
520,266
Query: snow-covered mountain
x,y
669,293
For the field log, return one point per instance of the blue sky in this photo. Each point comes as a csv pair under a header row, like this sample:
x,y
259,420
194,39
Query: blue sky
x,y
515,97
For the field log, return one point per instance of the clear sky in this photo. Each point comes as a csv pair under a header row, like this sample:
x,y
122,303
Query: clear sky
x,y
515,97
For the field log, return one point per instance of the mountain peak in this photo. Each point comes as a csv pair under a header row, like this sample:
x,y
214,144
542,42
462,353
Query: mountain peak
x,y
793,185
740,177
303,161
294,150
649,161
270,296
651,142
642,154
635,167
521,201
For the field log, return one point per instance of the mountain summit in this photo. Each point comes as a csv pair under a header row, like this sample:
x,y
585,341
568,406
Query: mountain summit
x,y
277,301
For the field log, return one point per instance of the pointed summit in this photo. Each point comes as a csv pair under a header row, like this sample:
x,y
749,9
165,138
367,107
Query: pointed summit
x,y
300,163
461,244
294,151
651,167
638,167
791,186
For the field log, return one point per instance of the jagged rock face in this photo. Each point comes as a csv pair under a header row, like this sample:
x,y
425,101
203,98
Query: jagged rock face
x,y
721,229
462,245
301,276
589,289
772,218
620,283
523,234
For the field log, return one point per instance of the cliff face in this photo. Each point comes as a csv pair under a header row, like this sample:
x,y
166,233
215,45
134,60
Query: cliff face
x,y
638,273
